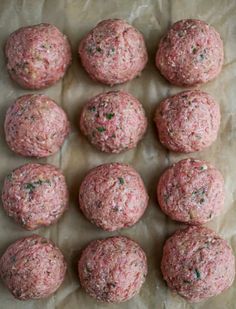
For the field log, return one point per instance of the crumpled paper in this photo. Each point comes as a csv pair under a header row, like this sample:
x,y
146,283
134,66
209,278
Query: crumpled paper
x,y
77,156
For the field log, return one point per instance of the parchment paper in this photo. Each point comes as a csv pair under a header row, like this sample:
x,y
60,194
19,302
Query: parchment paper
x,y
77,156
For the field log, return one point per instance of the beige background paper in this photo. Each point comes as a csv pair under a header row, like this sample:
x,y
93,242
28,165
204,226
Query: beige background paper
x,y
73,232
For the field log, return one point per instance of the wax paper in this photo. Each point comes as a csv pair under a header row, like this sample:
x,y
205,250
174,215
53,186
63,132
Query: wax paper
x,y
73,232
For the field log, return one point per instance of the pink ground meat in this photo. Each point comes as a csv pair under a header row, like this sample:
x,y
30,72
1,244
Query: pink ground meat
x,y
191,191
35,195
113,269
32,268
190,53
113,52
197,263
35,126
37,56
113,121
188,121
113,196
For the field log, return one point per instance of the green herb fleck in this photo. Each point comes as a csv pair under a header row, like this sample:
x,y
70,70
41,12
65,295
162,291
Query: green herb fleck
x,y
181,33
203,167
98,49
110,116
200,191
90,50
9,177
197,273
166,197
121,180
112,51
92,108
113,136
101,129
202,57
194,50
30,186
13,258
199,195
198,136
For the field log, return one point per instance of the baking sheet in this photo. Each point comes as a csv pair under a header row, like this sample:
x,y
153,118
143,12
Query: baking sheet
x,y
77,156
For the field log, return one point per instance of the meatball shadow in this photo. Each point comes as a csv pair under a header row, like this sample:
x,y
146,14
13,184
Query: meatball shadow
x,y
76,119
74,186
74,263
3,110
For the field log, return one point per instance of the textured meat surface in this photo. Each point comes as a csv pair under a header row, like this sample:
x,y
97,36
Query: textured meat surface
x,y
35,126
197,263
113,52
35,195
113,121
190,53
188,121
113,196
37,56
32,268
191,191
113,269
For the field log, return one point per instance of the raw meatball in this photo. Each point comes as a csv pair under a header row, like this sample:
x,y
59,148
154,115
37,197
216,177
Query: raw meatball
x,y
113,196
191,191
35,126
113,121
188,121
37,56
32,268
35,195
197,263
113,269
190,53
113,52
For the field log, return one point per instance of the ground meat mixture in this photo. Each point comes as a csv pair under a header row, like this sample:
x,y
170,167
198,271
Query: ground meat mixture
x,y
37,56
113,196
113,121
32,268
188,121
113,269
190,53
197,263
35,126
35,195
191,191
113,52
